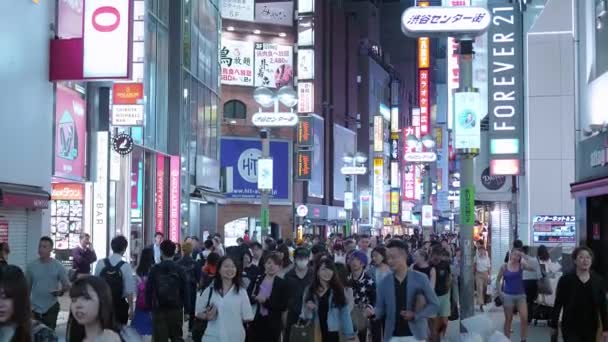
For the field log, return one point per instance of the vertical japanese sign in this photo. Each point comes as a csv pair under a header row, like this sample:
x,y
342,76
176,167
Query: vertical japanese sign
x,y
424,58
304,165
378,185
273,65
174,198
505,89
237,62
306,97
378,133
160,193
409,191
305,131
423,88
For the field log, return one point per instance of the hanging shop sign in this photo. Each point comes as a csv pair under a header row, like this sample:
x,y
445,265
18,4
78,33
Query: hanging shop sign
x,y
394,202
427,215
306,97
270,119
274,12
174,198
70,131
127,115
438,21
100,195
306,64
394,174
236,60
395,146
409,192
265,174
353,170
242,10
348,200
378,133
302,210
160,194
304,165
424,58
593,154
122,144
305,131
423,100
420,157
491,182
505,88
378,185
273,65
67,191
127,93
467,118
395,119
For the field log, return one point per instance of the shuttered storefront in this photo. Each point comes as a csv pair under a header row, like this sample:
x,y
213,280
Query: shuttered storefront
x,y
17,234
500,226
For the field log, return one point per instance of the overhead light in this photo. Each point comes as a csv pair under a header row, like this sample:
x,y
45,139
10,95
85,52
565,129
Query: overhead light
x,y
230,28
257,31
282,34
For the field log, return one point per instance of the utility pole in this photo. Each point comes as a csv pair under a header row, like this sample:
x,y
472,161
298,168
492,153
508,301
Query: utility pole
x,y
265,194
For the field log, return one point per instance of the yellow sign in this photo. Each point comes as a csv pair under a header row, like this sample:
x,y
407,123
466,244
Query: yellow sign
x,y
388,221
424,58
394,202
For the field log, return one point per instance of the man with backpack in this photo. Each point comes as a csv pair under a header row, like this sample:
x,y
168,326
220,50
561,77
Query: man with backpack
x,y
118,274
167,293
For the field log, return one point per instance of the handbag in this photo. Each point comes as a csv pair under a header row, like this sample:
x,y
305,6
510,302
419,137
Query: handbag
x,y
199,325
544,284
360,321
302,332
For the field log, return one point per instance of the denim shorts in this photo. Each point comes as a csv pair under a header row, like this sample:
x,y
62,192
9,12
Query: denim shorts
x,y
513,300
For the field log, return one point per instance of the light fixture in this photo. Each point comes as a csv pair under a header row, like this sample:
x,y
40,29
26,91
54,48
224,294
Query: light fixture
x,y
257,31
230,28
283,34
288,96
263,96
360,158
411,141
347,158
428,141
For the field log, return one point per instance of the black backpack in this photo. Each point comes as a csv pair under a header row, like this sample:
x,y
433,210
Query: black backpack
x,y
113,277
168,289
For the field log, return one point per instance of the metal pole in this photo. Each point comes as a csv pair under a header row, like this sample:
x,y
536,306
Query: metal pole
x,y
467,185
265,195
428,190
348,211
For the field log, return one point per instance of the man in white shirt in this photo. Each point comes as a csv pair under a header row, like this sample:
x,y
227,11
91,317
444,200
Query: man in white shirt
x,y
531,281
123,304
158,238
483,267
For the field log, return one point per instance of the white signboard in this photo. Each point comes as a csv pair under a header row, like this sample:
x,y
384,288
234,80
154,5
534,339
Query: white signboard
x,y
353,170
302,210
420,157
274,119
466,120
100,195
127,115
306,97
348,201
306,6
236,59
378,185
427,215
439,21
306,64
306,32
238,9
106,39
394,174
273,65
378,133
265,174
276,13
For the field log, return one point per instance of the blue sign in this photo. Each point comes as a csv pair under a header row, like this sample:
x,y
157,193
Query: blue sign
x,y
241,156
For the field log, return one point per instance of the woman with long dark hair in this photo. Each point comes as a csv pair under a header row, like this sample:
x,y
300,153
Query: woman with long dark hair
x,y
286,264
16,324
93,318
225,305
142,319
326,304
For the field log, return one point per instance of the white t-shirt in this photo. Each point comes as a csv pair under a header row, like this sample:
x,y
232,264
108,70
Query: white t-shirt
x,y
232,310
482,264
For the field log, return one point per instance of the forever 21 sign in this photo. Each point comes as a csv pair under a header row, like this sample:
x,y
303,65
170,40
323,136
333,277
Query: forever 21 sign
x,y
106,38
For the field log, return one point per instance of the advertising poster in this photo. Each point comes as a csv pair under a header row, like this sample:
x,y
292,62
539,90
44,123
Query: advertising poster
x,y
378,133
315,185
174,198
236,59
160,193
306,64
378,185
273,65
240,157
70,133
554,230
265,174
66,219
238,9
347,146
274,12
467,120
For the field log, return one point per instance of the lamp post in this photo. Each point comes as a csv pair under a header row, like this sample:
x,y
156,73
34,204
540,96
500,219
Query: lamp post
x,y
354,165
425,156
267,98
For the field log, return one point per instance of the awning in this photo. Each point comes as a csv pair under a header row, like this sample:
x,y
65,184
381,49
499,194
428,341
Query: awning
x,y
590,188
21,196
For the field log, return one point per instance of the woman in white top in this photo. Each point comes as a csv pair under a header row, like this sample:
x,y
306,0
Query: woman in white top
x,y
483,267
225,305
553,271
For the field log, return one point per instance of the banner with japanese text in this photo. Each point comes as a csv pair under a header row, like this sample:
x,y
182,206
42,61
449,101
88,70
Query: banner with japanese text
x,y
273,65
237,62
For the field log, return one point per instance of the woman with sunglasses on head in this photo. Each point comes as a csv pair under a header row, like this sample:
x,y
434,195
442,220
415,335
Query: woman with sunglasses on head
x,y
326,304
16,324
92,317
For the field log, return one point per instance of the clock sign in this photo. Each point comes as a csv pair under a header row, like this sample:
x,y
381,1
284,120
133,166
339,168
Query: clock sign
x,y
123,144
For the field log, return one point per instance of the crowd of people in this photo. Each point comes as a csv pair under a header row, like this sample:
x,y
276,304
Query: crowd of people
x,y
356,288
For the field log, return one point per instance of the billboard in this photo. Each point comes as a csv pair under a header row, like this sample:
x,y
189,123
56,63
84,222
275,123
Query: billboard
x,y
423,93
505,89
70,133
274,12
239,156
467,118
347,145
315,185
273,65
378,185
238,9
554,230
236,59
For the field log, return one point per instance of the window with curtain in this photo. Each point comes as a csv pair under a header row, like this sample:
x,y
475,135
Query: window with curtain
x,y
235,109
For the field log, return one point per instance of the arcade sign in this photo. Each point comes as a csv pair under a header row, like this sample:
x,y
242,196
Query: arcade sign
x,y
420,157
285,119
436,21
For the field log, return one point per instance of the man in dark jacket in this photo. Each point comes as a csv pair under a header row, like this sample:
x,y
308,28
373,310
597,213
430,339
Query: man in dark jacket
x,y
167,293
297,280
83,256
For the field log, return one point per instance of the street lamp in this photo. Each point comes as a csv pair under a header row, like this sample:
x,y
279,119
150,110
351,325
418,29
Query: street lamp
x,y
354,164
267,98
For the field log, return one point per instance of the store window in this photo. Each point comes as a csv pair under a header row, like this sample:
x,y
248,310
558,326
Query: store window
x,y
235,109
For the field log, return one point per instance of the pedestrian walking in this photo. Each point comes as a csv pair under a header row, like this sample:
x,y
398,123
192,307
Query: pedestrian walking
x,y
510,287
48,280
326,304
405,300
581,298
142,319
422,265
5,250
82,256
531,278
193,275
364,293
118,274
482,268
158,239
167,294
224,305
268,295
297,280
16,323
441,262
92,320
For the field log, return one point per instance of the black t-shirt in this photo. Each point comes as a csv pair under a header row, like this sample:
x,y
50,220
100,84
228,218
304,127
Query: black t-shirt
x,y
443,276
425,270
402,327
327,336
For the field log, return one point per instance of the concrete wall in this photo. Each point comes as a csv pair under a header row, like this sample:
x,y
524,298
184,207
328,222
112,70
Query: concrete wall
x,y
550,117
26,103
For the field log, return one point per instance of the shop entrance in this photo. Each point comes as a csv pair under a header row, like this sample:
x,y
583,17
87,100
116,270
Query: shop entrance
x,y
597,232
